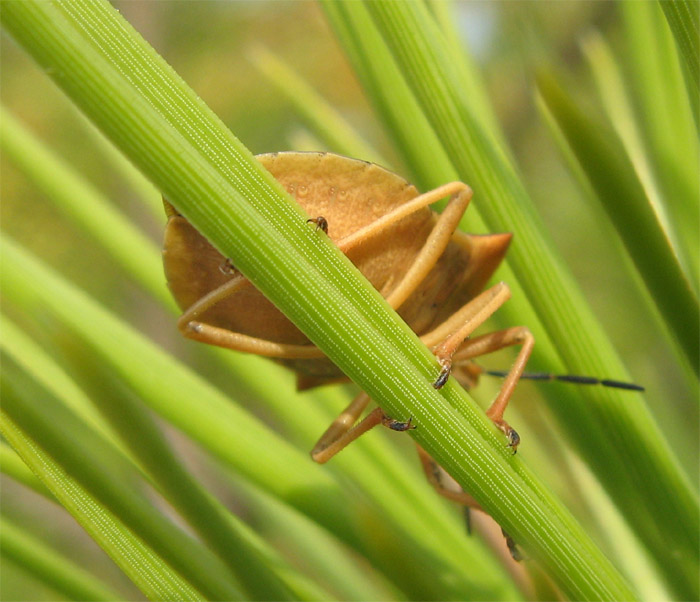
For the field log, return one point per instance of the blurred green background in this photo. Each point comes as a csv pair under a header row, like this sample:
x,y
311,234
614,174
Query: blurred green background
x,y
211,45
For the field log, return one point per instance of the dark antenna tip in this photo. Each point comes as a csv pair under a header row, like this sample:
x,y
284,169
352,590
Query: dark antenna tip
x,y
570,378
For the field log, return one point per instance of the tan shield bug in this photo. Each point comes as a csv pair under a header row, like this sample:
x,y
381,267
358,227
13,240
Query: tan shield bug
x,y
429,272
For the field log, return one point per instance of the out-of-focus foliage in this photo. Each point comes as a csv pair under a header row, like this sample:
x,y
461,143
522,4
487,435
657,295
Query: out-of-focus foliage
x,y
213,46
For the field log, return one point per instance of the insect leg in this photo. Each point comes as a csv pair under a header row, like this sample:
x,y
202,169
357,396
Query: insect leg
x,y
454,190
342,432
442,482
192,328
451,334
494,341
221,337
460,194
212,298
447,487
434,247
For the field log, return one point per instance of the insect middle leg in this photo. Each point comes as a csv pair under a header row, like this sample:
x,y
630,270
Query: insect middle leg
x,y
442,482
488,343
454,346
343,430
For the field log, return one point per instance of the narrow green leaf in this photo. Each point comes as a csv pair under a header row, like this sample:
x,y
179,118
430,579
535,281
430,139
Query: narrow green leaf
x,y
12,466
218,529
330,563
667,112
138,561
625,201
618,438
230,198
82,203
388,89
328,123
683,17
37,362
50,567
106,479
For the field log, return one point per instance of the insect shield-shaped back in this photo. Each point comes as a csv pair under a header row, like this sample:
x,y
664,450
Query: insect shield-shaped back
x,y
350,195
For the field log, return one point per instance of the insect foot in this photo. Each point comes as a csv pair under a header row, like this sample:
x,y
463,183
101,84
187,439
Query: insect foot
x,y
397,425
441,380
513,439
511,433
320,221
515,552
227,268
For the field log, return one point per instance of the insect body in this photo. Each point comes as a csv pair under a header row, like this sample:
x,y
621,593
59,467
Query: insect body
x,y
431,274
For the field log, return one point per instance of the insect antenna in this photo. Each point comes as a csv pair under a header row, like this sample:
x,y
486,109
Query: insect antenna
x,y
570,378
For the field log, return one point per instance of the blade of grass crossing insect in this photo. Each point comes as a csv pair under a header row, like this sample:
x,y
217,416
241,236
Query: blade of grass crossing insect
x,y
281,254
637,445
140,563
62,575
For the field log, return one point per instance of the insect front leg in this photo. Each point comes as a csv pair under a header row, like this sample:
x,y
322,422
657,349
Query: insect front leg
x,y
192,327
459,196
451,334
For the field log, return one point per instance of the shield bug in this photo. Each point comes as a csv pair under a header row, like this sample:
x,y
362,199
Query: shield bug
x,y
432,274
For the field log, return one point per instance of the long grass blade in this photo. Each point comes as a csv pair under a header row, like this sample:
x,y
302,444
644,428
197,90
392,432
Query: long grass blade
x,y
82,203
683,17
627,462
151,574
229,197
626,203
50,567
